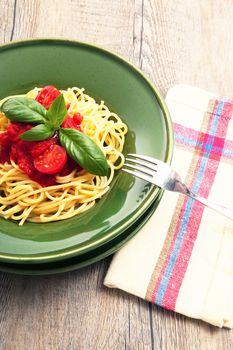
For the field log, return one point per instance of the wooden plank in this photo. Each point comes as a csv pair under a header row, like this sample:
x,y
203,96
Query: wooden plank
x,y
7,20
106,23
189,42
71,311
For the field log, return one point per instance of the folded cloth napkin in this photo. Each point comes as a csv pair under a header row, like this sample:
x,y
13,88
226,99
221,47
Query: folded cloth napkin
x,y
182,259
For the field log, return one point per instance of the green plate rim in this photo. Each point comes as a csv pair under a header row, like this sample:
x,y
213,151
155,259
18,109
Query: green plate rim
x,y
70,252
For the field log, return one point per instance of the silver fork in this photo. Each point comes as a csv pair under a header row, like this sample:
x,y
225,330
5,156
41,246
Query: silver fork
x,y
161,174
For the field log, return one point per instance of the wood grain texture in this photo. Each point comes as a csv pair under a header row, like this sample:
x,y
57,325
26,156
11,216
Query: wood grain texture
x,y
189,42
7,18
173,41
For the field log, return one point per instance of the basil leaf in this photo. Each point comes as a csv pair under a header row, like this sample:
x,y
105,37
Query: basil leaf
x,y
24,109
84,151
57,112
38,133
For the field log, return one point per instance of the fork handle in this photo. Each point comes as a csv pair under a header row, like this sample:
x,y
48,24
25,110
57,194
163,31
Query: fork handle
x,y
218,208
227,212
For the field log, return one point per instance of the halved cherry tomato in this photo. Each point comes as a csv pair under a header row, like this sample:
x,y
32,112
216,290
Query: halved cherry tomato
x,y
47,95
51,161
41,146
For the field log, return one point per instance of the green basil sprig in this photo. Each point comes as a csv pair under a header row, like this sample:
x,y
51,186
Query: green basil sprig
x,y
38,133
24,110
84,151
79,146
57,112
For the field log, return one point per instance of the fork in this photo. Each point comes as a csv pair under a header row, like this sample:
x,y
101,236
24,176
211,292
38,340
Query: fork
x,y
162,175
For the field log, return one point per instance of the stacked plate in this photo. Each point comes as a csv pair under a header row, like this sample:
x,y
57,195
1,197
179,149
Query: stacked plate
x,y
73,243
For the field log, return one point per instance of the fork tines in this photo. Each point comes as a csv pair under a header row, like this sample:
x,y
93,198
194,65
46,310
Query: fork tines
x,y
141,166
148,162
145,158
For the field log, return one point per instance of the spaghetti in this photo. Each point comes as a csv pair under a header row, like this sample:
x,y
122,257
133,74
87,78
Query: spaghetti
x,y
23,199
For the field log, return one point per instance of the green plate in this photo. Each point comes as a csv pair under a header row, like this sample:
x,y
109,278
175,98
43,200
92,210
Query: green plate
x,y
65,63
84,259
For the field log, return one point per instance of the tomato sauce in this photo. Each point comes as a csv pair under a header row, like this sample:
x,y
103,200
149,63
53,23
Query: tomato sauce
x,y
42,161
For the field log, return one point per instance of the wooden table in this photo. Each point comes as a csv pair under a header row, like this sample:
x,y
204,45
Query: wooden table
x,y
172,41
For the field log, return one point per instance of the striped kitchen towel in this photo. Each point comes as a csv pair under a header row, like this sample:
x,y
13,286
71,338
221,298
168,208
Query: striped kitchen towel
x,y
182,259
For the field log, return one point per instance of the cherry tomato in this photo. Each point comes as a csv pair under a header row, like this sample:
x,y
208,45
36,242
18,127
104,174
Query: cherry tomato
x,y
51,161
25,164
68,123
78,118
14,129
41,146
47,95
73,122
44,179
5,146
68,167
21,157
4,139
